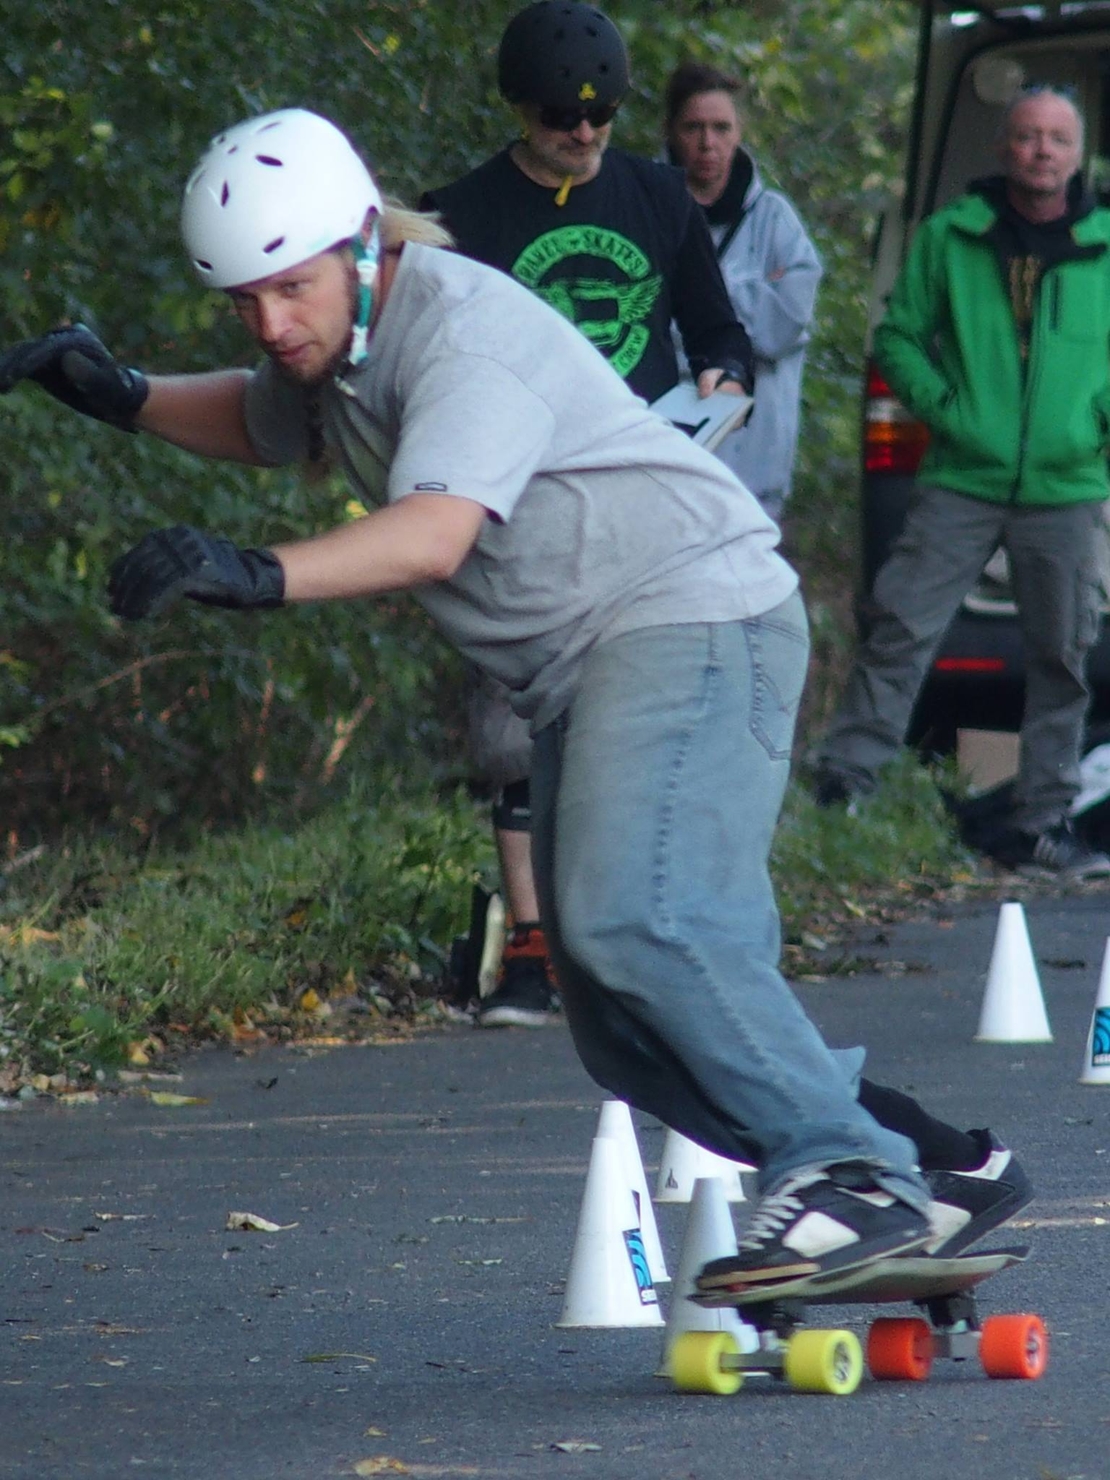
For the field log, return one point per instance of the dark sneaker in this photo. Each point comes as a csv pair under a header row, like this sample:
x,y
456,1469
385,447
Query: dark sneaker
x,y
966,1206
818,1222
1060,850
831,788
525,995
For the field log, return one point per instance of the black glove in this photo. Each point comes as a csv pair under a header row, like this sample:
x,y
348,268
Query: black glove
x,y
74,366
169,563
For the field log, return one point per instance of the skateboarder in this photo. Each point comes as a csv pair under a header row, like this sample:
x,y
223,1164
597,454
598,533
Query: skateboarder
x,y
627,589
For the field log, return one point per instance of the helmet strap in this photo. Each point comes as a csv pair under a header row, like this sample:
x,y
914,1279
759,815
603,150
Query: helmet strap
x,y
367,254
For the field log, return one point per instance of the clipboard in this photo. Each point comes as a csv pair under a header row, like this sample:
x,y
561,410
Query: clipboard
x,y
706,421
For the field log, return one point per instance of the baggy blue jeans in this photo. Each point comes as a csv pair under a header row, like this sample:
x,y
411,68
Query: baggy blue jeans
x,y
655,798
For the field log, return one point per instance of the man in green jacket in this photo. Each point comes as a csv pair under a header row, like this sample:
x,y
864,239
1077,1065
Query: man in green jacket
x,y
998,338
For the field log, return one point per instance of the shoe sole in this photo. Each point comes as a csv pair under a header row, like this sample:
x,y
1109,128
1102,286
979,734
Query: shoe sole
x,y
743,1280
516,1017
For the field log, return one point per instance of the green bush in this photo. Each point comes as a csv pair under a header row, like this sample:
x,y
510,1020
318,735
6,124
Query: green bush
x,y
103,110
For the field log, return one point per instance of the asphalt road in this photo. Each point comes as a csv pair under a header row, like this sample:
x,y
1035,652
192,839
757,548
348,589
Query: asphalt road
x,y
435,1188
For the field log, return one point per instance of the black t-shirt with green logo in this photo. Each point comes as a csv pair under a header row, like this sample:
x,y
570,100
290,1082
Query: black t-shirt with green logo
x,y
627,253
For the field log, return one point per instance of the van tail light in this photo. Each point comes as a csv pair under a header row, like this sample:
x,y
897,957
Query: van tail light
x,y
893,441
970,665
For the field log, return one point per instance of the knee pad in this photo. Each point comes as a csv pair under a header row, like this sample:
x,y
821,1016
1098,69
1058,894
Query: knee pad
x,y
512,809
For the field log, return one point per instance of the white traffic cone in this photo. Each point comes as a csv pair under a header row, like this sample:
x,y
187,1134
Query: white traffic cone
x,y
615,1121
1013,1008
709,1235
684,1161
609,1283
1096,1061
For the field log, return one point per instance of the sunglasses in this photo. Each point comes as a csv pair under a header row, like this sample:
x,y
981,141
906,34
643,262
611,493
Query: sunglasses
x,y
566,120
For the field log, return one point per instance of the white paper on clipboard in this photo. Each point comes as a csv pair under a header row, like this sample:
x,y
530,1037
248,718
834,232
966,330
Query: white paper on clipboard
x,y
707,421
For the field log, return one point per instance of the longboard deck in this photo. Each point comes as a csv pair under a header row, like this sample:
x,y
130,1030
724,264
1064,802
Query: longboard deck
x,y
905,1278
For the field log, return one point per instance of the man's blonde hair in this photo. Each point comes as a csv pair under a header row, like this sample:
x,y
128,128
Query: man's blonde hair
x,y
399,225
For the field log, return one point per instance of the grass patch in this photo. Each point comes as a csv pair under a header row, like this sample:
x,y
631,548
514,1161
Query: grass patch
x,y
253,930
829,865
106,956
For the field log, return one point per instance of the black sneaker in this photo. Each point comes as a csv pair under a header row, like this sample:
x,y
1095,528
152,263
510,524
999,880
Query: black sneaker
x,y
831,788
966,1206
1062,851
818,1222
525,996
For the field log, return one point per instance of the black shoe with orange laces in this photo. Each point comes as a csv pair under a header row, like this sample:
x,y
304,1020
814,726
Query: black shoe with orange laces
x,y
525,995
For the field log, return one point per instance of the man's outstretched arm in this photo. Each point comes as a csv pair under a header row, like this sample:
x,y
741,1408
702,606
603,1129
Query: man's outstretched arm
x,y
420,539
201,413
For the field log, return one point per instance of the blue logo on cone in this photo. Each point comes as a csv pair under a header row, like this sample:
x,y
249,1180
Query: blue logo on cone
x,y
634,1240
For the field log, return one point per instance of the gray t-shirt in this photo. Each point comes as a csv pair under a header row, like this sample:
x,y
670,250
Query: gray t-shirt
x,y
603,517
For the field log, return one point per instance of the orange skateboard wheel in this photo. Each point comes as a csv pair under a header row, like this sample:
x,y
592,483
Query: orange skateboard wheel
x,y
900,1347
1013,1346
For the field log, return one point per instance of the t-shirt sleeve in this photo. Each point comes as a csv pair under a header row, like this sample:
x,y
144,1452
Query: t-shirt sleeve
x,y
471,427
711,333
277,417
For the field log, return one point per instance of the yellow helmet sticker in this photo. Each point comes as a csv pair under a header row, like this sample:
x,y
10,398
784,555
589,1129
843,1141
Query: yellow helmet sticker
x,y
586,92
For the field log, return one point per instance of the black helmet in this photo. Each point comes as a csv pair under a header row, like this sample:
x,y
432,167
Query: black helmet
x,y
561,54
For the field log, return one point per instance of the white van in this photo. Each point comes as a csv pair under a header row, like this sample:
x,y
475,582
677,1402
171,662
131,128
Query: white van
x,y
972,60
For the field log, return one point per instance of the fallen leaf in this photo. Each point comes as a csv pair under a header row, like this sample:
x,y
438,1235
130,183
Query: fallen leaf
x,y
252,1223
45,1083
577,1446
137,1055
382,1464
166,1097
25,935
338,1357
80,1097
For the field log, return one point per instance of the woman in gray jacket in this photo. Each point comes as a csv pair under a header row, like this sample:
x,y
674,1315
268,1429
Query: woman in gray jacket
x,y
770,267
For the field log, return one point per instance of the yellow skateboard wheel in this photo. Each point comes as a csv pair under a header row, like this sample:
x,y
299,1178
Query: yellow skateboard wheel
x,y
823,1362
698,1362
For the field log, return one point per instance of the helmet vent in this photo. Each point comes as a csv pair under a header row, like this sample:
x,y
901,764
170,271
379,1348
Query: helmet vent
x,y
273,246
205,266
268,159
225,195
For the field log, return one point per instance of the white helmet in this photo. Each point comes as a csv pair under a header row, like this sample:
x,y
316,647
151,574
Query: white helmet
x,y
272,192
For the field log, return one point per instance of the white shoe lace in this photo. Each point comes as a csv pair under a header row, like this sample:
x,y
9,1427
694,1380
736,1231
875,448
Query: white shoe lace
x,y
777,1211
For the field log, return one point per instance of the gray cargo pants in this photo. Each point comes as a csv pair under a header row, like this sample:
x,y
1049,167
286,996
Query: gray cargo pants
x,y
947,539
